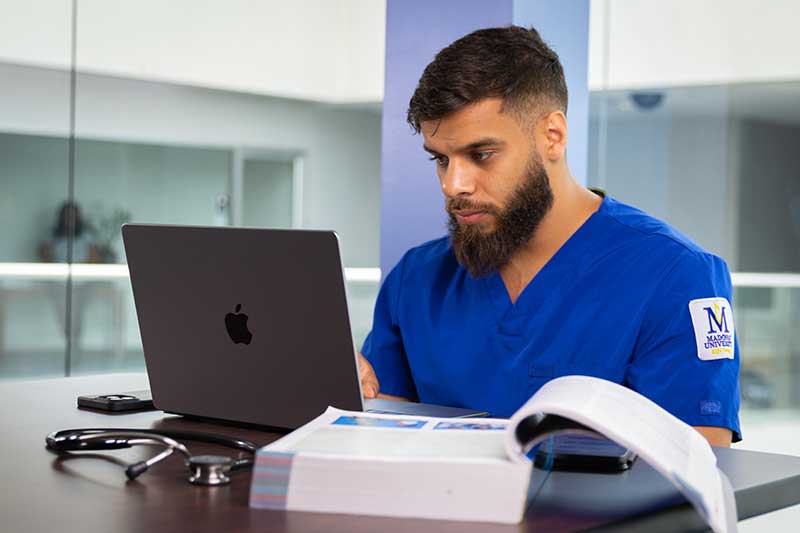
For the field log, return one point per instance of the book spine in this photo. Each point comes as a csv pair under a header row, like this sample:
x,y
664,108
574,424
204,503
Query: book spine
x,y
270,486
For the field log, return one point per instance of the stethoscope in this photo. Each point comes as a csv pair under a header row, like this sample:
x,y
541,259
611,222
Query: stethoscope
x,y
207,470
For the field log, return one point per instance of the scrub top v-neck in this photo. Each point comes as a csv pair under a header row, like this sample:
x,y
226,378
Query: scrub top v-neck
x,y
627,298
546,282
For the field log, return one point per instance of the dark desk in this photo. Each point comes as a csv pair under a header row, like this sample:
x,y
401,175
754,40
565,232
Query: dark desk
x,y
42,492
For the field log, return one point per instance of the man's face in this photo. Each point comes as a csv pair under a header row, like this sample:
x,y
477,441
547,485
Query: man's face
x,y
495,184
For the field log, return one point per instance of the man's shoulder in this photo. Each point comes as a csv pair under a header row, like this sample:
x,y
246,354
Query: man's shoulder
x,y
421,265
644,230
428,254
659,249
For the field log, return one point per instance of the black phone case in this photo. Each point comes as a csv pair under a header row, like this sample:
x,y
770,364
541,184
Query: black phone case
x,y
585,463
118,402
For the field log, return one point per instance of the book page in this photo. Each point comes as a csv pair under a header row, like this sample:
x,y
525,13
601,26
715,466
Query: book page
x,y
382,436
670,446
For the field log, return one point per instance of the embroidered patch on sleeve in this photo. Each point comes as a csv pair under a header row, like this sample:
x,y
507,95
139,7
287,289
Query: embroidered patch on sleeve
x,y
710,407
713,328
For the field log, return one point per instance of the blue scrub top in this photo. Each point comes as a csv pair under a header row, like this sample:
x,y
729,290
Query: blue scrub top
x,y
627,298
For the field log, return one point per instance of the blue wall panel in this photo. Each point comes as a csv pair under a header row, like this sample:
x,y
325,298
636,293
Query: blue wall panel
x,y
564,26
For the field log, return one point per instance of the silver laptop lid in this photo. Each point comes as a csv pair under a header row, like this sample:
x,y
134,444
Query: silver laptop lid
x,y
246,325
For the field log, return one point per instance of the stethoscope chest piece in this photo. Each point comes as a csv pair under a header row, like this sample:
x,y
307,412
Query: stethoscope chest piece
x,y
210,470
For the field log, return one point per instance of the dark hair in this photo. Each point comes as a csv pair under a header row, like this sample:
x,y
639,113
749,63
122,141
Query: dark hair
x,y
512,63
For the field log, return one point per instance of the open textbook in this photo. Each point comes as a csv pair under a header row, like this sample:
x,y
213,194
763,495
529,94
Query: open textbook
x,y
477,469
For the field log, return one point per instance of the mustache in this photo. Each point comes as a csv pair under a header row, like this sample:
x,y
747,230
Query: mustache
x,y
462,204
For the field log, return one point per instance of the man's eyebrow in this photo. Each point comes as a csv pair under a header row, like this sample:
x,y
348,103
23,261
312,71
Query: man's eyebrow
x,y
481,143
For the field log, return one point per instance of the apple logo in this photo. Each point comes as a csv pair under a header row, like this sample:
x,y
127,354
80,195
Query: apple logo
x,y
236,324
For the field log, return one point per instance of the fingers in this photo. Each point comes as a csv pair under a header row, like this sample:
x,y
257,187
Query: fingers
x,y
369,381
390,397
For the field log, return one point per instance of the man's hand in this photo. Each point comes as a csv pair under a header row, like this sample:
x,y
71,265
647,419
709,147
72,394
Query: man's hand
x,y
369,382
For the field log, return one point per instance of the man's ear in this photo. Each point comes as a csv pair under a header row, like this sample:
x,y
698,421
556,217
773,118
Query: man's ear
x,y
554,131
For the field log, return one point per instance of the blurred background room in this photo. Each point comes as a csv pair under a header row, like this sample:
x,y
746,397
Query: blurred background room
x,y
268,114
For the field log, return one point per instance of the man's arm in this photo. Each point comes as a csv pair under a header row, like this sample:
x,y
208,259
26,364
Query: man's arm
x,y
673,364
383,349
716,436
370,387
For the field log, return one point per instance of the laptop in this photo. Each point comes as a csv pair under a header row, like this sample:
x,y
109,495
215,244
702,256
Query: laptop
x,y
248,325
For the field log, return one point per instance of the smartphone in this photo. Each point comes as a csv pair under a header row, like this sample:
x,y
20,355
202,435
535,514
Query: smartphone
x,y
583,453
140,400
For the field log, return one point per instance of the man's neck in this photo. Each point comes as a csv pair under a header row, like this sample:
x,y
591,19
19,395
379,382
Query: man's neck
x,y
573,204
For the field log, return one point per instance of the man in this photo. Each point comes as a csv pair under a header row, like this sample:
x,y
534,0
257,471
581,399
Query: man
x,y
541,277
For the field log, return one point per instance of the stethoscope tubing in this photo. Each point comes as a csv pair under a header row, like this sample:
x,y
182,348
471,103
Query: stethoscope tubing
x,y
86,439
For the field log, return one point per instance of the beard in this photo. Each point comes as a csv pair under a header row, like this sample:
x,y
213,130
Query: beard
x,y
481,252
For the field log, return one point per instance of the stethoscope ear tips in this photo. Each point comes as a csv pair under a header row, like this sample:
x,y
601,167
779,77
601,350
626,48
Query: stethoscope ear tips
x,y
210,470
136,469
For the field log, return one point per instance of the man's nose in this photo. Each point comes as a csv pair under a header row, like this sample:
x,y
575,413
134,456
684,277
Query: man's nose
x,y
457,181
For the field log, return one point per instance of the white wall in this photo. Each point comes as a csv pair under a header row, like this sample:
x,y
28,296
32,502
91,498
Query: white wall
x,y
652,43
36,32
329,51
333,51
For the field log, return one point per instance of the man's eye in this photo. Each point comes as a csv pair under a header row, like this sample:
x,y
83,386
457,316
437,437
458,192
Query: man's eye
x,y
482,156
441,160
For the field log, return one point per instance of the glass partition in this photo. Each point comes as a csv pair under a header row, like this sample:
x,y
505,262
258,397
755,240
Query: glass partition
x,y
766,322
164,133
35,222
